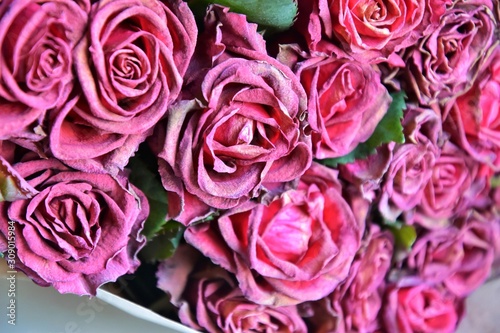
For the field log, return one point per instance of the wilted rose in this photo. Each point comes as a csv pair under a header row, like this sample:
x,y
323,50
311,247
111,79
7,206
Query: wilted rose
x,y
460,258
346,101
445,63
369,30
37,40
450,188
362,293
405,180
129,67
209,299
244,136
79,231
474,118
420,308
412,162
299,248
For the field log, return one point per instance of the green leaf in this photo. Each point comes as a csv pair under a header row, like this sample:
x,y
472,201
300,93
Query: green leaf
x,y
495,181
276,15
145,176
164,244
404,235
1,255
388,130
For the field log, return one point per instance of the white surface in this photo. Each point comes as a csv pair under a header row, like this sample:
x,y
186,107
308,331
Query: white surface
x,y
44,310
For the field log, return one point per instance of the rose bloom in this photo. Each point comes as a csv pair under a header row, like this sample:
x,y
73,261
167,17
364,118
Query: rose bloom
x,y
444,64
364,288
79,231
405,180
346,101
412,163
368,30
129,67
299,248
460,258
421,308
474,119
355,304
37,39
450,187
210,300
244,136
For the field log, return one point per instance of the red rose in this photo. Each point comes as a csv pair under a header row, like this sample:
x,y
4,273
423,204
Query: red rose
x,y
362,293
460,258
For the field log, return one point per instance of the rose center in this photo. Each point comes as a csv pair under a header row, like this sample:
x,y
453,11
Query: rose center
x,y
288,233
49,63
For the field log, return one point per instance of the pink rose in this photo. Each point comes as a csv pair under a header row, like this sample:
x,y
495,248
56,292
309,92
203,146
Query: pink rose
x,y
474,118
37,39
210,300
421,308
299,248
410,170
460,258
412,163
79,231
346,101
369,30
444,64
130,68
363,290
355,304
239,133
242,137
478,256
450,189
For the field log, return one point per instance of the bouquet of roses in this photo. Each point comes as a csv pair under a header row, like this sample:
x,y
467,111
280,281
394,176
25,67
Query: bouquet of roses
x,y
293,166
